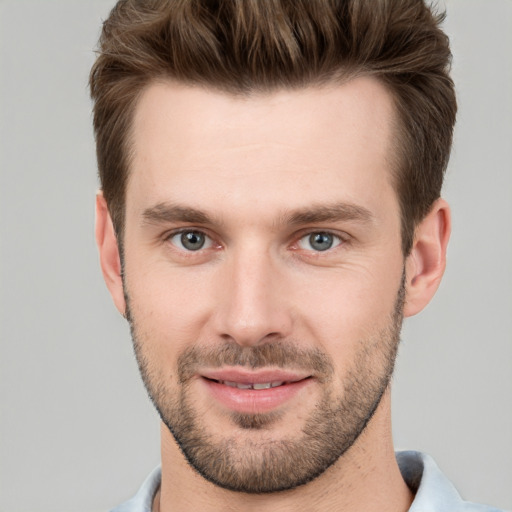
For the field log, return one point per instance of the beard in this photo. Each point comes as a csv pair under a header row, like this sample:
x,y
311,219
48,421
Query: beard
x,y
261,463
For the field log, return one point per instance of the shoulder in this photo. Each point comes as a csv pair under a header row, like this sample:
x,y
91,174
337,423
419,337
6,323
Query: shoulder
x,y
143,500
478,507
433,491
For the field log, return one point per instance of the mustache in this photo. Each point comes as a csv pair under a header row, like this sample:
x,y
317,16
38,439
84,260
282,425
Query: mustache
x,y
271,354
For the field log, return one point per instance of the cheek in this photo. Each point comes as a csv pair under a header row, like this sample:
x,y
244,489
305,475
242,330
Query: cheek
x,y
348,307
168,307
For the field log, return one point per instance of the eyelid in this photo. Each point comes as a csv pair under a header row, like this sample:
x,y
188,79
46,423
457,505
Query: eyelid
x,y
342,237
209,242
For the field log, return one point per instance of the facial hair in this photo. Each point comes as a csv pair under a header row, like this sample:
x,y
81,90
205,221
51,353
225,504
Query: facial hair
x,y
265,465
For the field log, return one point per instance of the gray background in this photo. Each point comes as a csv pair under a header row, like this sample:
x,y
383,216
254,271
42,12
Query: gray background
x,y
77,431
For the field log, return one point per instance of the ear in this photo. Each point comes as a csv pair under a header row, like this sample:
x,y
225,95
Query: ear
x,y
426,263
110,260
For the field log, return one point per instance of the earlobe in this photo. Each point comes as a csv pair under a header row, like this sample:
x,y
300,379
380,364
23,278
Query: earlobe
x,y
426,263
108,248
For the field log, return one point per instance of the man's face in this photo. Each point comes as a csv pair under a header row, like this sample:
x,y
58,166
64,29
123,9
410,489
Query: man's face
x,y
263,273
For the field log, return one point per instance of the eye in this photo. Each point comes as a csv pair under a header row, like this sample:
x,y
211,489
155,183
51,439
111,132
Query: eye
x,y
319,241
191,240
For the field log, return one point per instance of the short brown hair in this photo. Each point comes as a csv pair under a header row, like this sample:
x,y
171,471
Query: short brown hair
x,y
239,46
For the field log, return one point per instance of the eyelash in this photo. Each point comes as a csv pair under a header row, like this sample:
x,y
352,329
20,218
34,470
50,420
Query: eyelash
x,y
170,236
342,239
336,239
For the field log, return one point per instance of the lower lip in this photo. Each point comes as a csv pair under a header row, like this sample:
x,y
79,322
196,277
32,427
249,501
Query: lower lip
x,y
254,401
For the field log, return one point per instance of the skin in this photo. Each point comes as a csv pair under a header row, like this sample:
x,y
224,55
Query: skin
x,y
251,164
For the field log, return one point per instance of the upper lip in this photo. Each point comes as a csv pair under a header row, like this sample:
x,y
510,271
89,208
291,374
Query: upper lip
x,y
243,376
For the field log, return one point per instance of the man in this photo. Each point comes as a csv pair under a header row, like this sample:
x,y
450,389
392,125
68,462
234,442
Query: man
x,y
270,211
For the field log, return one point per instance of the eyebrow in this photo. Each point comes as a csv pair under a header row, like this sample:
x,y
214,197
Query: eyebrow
x,y
163,213
329,213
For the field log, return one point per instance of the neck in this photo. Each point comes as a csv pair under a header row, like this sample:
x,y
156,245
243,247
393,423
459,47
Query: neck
x,y
366,477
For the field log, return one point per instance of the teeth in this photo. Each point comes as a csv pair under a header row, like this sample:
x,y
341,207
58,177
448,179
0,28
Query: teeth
x,y
261,385
237,385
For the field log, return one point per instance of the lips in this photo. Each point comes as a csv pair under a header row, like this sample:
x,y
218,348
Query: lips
x,y
240,375
254,391
253,385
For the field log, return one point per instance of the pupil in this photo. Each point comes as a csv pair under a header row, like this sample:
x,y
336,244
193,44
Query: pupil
x,y
321,241
192,240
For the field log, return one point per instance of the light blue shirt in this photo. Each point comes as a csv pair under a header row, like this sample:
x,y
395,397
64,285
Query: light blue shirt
x,y
433,491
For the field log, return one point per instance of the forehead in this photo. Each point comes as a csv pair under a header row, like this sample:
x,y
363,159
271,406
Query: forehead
x,y
281,148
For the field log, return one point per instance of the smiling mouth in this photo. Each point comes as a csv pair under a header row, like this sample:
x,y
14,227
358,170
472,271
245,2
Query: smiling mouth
x,y
254,392
251,385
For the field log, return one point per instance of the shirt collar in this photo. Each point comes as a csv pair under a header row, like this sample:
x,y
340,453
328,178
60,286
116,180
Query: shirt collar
x,y
433,491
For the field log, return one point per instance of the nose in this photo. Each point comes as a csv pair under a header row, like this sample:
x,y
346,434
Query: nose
x,y
251,307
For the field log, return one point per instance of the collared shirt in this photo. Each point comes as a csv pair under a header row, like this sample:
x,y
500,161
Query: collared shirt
x,y
433,491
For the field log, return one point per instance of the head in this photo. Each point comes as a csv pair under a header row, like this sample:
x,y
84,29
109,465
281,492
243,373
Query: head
x,y
271,175
246,47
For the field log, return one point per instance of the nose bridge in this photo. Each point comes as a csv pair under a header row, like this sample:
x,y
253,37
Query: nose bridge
x,y
252,308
